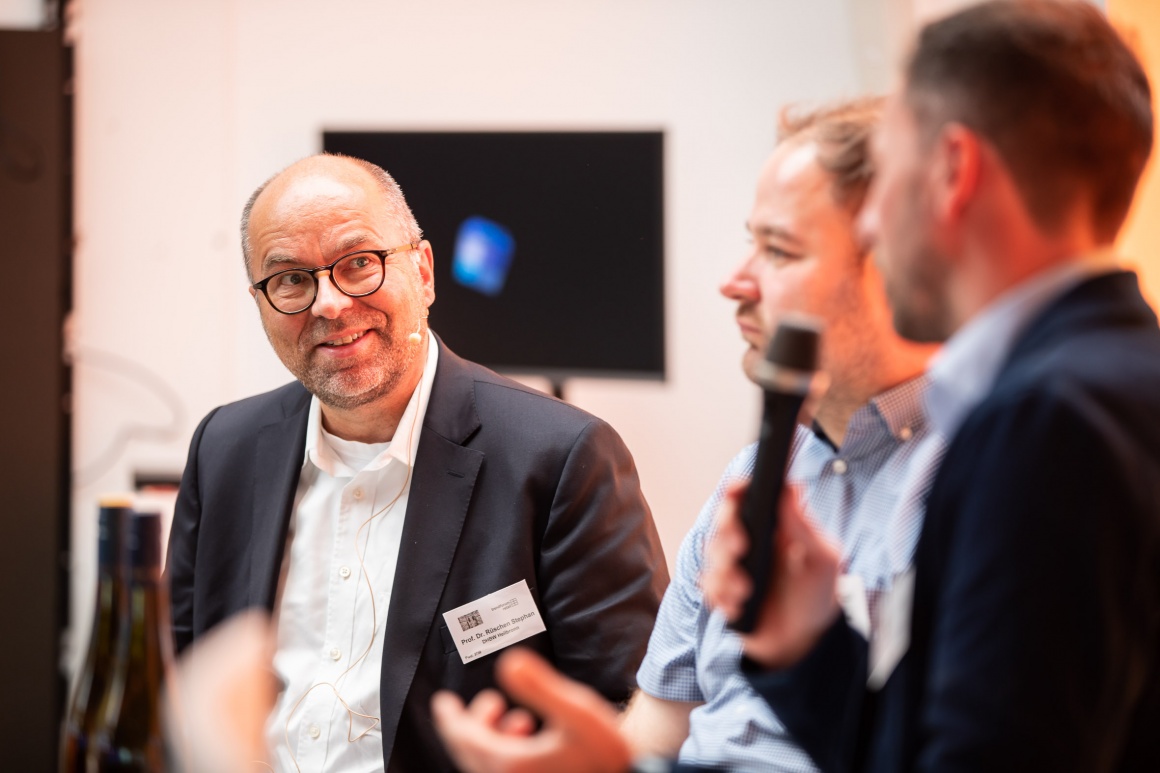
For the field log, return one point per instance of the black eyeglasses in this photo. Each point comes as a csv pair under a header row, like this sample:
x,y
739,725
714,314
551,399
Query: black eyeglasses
x,y
355,274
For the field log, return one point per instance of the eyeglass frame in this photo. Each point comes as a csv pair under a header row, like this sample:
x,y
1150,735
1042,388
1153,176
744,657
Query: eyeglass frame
x,y
329,267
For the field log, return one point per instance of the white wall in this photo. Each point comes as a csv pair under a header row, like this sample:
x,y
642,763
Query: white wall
x,y
21,14
184,106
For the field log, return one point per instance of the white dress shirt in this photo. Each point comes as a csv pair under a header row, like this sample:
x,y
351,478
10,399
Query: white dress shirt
x,y
343,541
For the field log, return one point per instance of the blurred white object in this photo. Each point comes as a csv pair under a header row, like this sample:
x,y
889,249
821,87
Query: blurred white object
x,y
221,696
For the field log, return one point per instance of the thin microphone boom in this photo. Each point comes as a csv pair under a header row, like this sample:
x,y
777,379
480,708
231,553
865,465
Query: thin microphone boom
x,y
785,375
417,336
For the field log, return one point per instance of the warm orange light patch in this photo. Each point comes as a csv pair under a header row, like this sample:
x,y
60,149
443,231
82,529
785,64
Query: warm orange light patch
x,y
1139,22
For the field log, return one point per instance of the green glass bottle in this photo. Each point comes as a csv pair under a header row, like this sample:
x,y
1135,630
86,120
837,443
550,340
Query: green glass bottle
x,y
82,715
130,737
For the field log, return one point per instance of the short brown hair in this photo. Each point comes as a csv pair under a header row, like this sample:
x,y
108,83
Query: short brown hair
x,y
1053,88
842,132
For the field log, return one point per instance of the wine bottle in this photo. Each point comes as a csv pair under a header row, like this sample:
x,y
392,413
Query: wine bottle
x,y
83,712
130,735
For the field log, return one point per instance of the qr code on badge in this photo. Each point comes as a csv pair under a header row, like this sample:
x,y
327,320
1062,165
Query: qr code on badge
x,y
470,620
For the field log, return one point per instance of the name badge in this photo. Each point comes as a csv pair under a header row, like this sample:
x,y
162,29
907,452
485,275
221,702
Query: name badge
x,y
852,598
892,638
495,621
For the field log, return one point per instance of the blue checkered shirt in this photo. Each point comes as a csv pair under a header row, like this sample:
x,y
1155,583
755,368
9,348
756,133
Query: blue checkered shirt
x,y
853,493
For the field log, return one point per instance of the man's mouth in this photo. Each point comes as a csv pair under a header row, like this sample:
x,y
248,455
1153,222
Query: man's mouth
x,y
344,340
749,328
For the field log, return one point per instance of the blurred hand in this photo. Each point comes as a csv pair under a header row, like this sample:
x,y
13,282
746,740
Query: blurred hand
x,y
802,601
220,697
579,735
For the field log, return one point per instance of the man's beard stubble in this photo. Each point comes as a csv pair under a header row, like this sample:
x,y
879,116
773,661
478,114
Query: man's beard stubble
x,y
345,388
921,312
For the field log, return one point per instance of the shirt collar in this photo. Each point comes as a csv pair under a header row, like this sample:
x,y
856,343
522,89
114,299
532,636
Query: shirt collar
x,y
887,419
962,373
319,454
900,408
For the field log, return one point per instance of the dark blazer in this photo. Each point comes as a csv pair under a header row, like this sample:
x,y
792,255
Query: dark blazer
x,y
509,484
1035,630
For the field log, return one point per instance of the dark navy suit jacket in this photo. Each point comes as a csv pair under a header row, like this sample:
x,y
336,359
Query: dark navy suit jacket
x,y
509,484
1035,630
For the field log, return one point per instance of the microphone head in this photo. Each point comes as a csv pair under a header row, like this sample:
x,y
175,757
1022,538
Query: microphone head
x,y
414,338
792,355
795,343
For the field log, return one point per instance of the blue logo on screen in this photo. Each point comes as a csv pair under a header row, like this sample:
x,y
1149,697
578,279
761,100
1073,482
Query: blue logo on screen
x,y
483,255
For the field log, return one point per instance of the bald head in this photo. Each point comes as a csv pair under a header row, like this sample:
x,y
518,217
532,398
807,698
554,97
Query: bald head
x,y
325,172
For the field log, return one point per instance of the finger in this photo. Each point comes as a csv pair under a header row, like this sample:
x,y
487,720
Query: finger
x,y
798,540
726,588
487,706
729,541
734,537
517,722
735,491
473,745
793,519
447,708
530,680
794,557
798,528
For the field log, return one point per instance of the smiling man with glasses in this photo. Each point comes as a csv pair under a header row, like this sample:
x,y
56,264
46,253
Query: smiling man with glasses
x,y
376,504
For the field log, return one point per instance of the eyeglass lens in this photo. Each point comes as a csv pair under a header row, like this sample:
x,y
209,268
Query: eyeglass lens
x,y
357,274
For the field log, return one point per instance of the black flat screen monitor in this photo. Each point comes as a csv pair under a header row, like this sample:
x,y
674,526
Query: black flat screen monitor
x,y
549,250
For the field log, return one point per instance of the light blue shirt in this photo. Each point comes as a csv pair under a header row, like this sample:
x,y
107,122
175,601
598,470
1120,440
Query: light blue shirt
x,y
964,371
852,494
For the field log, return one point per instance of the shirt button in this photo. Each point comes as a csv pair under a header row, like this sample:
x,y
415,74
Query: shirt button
x,y
335,653
357,494
344,572
905,433
839,467
314,731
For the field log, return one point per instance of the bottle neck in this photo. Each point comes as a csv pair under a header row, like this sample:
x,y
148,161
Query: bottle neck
x,y
148,608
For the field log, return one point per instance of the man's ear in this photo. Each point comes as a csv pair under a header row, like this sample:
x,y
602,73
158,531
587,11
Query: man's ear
x,y
425,263
954,171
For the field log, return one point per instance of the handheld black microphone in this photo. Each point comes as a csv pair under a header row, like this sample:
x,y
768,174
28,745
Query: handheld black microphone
x,y
785,374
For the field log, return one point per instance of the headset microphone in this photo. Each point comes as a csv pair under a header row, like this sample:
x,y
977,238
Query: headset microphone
x,y
417,336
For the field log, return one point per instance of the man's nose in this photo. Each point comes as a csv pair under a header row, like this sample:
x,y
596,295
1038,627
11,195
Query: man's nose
x,y
329,301
739,284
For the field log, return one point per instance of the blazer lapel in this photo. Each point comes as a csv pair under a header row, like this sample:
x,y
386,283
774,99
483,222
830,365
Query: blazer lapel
x,y
279,452
441,488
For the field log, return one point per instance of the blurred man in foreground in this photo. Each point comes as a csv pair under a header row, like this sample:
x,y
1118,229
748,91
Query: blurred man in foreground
x,y
1007,164
693,699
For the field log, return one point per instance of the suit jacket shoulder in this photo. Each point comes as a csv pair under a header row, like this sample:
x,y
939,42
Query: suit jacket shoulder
x,y
252,413
1041,549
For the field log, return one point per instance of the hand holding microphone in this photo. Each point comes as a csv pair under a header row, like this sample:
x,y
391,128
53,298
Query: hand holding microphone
x,y
785,375
783,600
800,593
